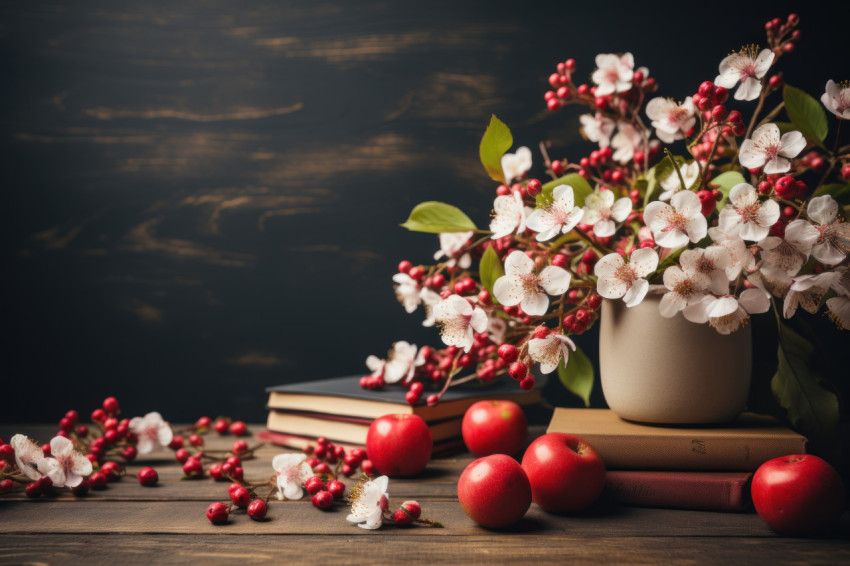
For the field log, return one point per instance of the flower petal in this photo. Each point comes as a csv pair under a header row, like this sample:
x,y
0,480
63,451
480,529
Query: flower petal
x,y
535,304
792,144
555,280
636,292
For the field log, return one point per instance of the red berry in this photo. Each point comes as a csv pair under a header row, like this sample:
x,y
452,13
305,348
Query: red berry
x,y
412,397
765,187
707,201
503,190
404,266
785,187
196,440
241,497
82,431
238,428
788,47
789,211
845,172
416,273
314,485
110,405
721,94
110,423
6,485
176,442
98,480
323,500
518,370
82,488
203,422
322,468
66,424
129,453
508,352
555,80
432,400
564,92
216,472
367,467
193,467
336,488
552,104
33,490
257,510
484,297
221,426
534,187
735,117
775,81
98,415
217,513
239,447
818,164
402,519
112,471
557,167
527,383
706,89
718,112
594,301
147,476
182,455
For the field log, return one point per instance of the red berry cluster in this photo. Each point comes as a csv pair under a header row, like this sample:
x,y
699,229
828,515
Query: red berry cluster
x,y
326,454
566,92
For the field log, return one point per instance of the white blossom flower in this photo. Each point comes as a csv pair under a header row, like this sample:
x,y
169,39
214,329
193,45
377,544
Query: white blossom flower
x,y
807,291
153,432
401,362
671,121
671,183
368,501
614,73
626,142
516,165
521,286
509,215
739,256
839,311
746,67
291,470
837,99
430,299
674,225
560,216
27,455
618,279
459,321
833,241
684,289
772,280
496,329
792,251
767,148
711,262
601,211
66,466
597,128
407,291
728,313
549,351
745,215
451,244
376,365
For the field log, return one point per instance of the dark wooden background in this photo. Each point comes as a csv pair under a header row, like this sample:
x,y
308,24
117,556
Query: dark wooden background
x,y
202,198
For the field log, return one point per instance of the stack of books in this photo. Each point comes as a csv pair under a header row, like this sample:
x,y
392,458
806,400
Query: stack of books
x,y
680,467
341,411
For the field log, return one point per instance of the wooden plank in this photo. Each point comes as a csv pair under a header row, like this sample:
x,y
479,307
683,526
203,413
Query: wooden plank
x,y
403,548
186,517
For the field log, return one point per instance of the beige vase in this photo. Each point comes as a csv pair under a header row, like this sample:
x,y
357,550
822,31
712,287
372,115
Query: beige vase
x,y
669,370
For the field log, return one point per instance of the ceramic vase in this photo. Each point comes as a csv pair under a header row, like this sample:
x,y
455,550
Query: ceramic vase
x,y
670,370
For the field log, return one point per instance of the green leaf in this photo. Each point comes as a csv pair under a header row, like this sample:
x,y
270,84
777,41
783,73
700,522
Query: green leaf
x,y
806,113
839,191
581,188
490,269
651,184
577,377
810,407
724,183
785,127
495,142
436,217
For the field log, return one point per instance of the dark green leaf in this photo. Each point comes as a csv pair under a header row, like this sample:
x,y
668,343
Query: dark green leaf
x,y
724,183
806,113
810,407
581,188
436,217
577,377
839,191
495,142
490,269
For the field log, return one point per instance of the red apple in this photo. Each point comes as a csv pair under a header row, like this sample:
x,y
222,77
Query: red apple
x,y
565,472
494,427
399,445
494,491
798,494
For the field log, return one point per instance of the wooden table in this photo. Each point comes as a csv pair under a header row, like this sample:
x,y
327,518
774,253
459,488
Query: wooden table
x,y
130,524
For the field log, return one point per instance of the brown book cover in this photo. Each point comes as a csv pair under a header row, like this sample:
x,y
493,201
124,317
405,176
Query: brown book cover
x,y
345,430
742,446
710,491
344,396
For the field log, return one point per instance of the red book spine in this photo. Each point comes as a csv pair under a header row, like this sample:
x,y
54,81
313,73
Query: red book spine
x,y
712,491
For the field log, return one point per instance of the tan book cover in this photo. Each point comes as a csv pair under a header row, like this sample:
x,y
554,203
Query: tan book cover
x,y
742,446
345,430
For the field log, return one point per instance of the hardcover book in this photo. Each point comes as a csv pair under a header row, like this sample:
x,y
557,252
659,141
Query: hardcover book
x,y
710,491
344,396
742,446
